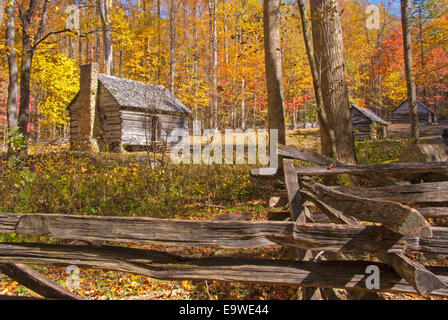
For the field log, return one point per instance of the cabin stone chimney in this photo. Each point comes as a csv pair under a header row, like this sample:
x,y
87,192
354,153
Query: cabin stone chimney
x,y
83,109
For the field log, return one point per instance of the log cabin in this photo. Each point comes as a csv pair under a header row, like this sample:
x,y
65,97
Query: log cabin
x,y
401,113
110,113
367,124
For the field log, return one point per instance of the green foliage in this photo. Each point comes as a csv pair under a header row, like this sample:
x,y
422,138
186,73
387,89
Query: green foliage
x,y
16,141
65,183
54,83
376,151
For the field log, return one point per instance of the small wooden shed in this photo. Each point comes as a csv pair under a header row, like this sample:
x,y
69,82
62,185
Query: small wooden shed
x,y
366,123
114,112
401,113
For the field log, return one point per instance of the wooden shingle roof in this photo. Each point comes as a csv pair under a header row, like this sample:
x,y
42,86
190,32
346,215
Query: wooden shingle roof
x,y
369,114
136,94
404,108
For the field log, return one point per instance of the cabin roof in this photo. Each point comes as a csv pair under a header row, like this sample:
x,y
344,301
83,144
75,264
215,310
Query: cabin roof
x,y
404,107
369,114
136,94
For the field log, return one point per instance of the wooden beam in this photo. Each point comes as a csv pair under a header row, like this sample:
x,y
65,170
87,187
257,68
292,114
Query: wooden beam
x,y
37,282
228,234
308,156
415,193
161,265
423,280
316,158
416,274
390,168
434,212
292,188
333,214
395,216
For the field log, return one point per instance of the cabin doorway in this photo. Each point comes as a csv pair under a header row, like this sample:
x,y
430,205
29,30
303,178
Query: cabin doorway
x,y
155,129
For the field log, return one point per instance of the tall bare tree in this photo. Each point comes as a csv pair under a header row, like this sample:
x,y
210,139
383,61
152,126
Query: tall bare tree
x,y
13,87
29,45
329,58
273,62
104,8
410,83
327,135
212,5
159,41
172,44
2,7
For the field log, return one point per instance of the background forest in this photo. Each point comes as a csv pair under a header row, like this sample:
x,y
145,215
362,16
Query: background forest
x,y
210,53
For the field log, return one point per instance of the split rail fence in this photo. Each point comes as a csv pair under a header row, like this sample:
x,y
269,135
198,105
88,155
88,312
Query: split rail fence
x,y
334,246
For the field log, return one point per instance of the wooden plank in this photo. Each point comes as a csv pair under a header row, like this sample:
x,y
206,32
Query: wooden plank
x,y
423,280
292,187
308,156
333,214
298,214
37,282
417,275
417,193
8,222
161,265
408,167
393,215
228,234
434,212
294,153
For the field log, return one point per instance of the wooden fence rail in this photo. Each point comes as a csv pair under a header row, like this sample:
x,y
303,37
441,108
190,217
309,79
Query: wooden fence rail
x,y
394,228
386,205
226,234
161,265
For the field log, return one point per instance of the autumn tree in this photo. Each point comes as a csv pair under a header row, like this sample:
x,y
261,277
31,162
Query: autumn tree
x,y
329,57
411,94
212,5
30,40
104,11
327,134
273,64
13,86
2,7
172,44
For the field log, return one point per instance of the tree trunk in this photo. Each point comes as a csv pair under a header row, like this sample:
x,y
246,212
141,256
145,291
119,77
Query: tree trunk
x,y
195,58
410,83
25,80
274,82
327,134
29,43
213,38
243,105
98,45
159,42
330,64
2,7
104,11
172,44
13,87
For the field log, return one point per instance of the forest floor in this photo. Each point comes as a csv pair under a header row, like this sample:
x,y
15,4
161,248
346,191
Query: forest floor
x,y
56,181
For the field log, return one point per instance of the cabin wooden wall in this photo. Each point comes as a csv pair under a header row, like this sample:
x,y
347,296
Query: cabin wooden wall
x,y
423,117
137,127
108,127
361,124
74,120
363,127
